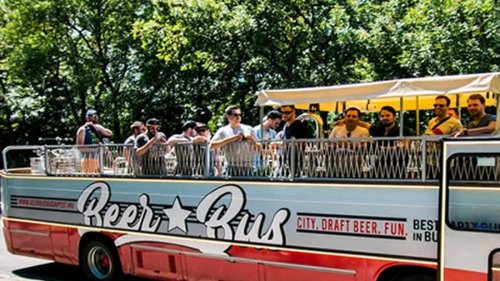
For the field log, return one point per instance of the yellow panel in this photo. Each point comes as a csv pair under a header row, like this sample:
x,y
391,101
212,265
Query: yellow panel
x,y
409,103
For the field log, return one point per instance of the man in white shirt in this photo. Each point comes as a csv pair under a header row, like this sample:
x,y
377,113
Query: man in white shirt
x,y
236,141
351,127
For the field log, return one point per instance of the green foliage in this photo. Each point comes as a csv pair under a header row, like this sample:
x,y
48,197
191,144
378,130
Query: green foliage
x,y
189,59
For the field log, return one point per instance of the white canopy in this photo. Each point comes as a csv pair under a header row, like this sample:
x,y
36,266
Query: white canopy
x,y
428,86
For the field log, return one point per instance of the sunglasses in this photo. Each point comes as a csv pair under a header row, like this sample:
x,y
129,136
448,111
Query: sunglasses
x,y
439,105
201,130
286,112
237,114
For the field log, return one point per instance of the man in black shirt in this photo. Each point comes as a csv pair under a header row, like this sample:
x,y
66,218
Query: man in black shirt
x,y
293,127
296,129
151,148
391,155
388,126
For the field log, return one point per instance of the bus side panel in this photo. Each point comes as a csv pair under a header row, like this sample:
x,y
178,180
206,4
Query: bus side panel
x,y
295,265
214,269
6,235
31,239
464,275
60,241
154,260
284,273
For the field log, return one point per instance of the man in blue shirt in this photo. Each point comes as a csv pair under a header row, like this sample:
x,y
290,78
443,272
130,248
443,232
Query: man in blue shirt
x,y
271,122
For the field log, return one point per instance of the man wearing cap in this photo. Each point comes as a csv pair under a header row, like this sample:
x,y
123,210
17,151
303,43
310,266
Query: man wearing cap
x,y
235,139
187,134
183,149
270,124
137,129
91,133
151,148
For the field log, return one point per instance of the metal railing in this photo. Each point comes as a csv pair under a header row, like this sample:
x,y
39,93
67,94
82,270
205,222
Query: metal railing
x,y
387,159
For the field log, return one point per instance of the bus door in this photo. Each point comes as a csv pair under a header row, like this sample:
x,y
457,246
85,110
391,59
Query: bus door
x,y
469,244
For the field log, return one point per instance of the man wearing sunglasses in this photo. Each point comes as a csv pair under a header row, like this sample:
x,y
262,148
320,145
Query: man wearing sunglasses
x,y
294,128
235,139
442,124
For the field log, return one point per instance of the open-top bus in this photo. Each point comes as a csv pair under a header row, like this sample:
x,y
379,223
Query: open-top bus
x,y
308,211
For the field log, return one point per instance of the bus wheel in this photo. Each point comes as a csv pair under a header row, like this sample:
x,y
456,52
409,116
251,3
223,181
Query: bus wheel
x,y
99,262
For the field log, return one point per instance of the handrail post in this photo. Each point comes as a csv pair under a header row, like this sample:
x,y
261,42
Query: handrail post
x,y
101,159
206,173
424,158
292,159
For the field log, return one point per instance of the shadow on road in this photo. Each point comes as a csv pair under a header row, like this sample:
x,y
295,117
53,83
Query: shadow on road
x,y
57,272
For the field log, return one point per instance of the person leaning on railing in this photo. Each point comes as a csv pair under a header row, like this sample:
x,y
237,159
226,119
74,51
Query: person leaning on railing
x,y
293,129
151,148
391,155
442,124
91,133
481,124
343,158
236,141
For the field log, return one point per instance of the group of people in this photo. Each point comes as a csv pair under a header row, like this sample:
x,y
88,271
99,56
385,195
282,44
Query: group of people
x,y
238,141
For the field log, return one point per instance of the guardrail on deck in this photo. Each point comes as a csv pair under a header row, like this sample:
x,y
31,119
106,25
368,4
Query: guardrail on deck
x,y
409,158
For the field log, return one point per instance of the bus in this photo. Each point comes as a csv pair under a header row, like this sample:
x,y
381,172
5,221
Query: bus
x,y
311,209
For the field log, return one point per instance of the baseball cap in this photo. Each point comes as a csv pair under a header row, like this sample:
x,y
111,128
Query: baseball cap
x,y
188,124
136,124
200,126
152,121
91,112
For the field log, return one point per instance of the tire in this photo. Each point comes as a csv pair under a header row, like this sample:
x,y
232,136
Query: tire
x,y
100,262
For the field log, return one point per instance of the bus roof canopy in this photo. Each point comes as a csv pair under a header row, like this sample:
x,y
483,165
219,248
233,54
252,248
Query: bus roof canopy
x,y
389,92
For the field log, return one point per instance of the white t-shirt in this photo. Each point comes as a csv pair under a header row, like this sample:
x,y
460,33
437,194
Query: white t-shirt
x,y
237,153
342,132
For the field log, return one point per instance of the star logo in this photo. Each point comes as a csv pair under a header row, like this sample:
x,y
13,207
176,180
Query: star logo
x,y
177,216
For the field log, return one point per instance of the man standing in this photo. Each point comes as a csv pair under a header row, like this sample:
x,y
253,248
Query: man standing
x,y
351,127
187,134
271,122
91,133
183,149
137,129
235,139
481,123
151,148
294,128
391,158
442,124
